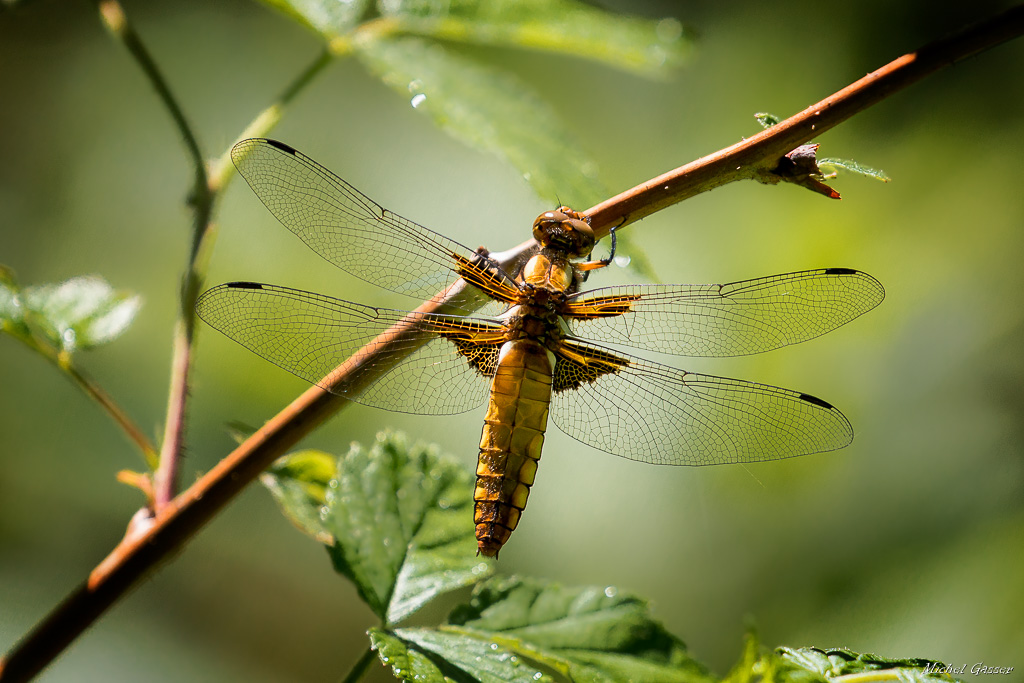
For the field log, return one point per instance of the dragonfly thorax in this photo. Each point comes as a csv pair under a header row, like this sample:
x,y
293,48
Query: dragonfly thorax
x,y
548,270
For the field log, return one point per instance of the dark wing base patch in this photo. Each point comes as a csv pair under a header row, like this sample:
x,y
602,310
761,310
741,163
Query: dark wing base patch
x,y
483,357
486,275
576,365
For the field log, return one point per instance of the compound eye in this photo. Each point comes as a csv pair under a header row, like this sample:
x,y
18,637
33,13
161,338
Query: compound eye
x,y
549,217
581,236
547,225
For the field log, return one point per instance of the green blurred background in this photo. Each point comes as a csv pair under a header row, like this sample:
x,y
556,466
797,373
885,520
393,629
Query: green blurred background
x,y
908,543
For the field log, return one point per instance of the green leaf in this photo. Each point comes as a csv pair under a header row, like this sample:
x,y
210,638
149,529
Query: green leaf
x,y
587,617
488,109
756,666
528,630
299,483
813,665
398,520
327,17
407,663
590,666
853,167
830,664
12,311
767,120
81,313
565,26
484,660
598,632
239,430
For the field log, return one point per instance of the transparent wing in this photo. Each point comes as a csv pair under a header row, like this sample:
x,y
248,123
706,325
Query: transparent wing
x,y
310,335
349,229
658,414
734,319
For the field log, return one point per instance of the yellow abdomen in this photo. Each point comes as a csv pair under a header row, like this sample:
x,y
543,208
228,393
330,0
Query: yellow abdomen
x,y
511,442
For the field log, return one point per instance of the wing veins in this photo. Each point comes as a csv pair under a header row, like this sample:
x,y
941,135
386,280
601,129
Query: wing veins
x,y
656,413
312,335
342,224
738,318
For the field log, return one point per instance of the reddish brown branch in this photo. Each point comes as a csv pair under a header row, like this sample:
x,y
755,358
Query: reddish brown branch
x,y
755,156
182,518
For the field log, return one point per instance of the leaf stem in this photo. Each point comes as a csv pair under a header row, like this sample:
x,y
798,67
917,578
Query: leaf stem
x,y
90,387
93,390
115,20
359,668
187,513
222,170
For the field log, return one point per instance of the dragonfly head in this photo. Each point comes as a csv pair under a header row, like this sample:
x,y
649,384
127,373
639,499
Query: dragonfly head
x,y
564,229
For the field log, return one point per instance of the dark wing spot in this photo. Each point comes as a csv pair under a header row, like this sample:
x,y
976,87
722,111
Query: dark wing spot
x,y
817,401
840,271
244,285
281,146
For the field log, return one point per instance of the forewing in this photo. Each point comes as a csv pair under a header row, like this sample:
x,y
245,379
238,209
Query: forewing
x,y
734,319
658,414
355,233
311,335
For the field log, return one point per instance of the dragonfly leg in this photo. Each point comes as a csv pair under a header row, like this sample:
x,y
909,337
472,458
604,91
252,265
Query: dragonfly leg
x,y
588,265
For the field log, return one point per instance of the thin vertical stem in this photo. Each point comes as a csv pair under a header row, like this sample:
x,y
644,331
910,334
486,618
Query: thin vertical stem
x,y
359,668
165,484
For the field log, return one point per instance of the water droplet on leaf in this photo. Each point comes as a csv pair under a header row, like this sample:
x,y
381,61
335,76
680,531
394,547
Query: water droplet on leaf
x,y
669,30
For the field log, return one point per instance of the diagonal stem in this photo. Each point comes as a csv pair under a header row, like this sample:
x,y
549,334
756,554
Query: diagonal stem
x,y
115,21
95,392
222,170
187,513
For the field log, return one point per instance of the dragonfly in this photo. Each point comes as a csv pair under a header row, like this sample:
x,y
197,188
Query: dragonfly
x,y
543,347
